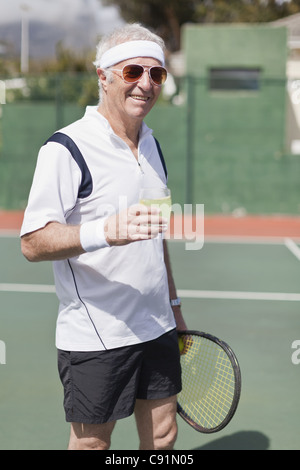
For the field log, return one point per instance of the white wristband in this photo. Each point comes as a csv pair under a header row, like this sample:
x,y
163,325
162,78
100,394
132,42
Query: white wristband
x,y
92,235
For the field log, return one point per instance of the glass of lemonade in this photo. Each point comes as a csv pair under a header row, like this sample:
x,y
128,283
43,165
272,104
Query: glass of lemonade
x,y
157,197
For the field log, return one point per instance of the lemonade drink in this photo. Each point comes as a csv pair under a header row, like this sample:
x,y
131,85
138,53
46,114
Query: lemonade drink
x,y
159,198
163,204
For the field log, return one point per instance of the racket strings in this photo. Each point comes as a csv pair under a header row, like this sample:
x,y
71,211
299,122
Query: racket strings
x,y
208,383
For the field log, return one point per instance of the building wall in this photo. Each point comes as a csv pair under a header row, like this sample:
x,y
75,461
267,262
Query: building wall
x,y
223,45
239,136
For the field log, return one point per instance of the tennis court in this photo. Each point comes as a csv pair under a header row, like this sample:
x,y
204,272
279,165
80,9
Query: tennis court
x,y
243,290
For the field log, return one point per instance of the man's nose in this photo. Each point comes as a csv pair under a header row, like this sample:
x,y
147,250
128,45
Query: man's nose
x,y
145,81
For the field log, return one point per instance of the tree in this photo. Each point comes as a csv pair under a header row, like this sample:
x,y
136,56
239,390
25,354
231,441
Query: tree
x,y
241,11
164,16
167,16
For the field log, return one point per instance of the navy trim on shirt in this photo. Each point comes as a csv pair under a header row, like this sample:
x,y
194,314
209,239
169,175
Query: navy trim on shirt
x,y
161,157
86,185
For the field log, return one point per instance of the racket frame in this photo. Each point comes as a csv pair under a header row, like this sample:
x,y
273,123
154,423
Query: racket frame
x,y
237,390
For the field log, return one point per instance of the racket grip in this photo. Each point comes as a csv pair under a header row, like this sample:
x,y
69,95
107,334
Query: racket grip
x,y
184,343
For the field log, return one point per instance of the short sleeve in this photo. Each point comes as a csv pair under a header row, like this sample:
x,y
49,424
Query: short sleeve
x,y
54,188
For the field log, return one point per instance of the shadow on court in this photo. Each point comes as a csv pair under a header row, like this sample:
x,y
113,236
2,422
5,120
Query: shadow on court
x,y
243,440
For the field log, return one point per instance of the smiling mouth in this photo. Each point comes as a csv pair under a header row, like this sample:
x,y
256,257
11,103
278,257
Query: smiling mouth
x,y
140,98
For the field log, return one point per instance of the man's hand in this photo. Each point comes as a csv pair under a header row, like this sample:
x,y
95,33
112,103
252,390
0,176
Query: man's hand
x,y
138,222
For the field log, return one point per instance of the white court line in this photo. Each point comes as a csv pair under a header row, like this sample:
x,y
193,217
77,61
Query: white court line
x,y
193,294
232,240
6,233
291,245
225,295
29,288
245,240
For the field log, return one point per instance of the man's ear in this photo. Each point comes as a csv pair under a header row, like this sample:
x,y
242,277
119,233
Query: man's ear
x,y
102,77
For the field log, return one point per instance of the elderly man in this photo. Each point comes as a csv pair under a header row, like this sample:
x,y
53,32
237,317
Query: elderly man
x,y
118,309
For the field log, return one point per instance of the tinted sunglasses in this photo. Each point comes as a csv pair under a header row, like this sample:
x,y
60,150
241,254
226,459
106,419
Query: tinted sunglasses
x,y
132,73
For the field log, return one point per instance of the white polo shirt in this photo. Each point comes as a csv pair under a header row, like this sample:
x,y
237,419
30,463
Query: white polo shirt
x,y
115,296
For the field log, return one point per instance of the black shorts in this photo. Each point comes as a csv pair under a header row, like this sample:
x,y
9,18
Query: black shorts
x,y
102,386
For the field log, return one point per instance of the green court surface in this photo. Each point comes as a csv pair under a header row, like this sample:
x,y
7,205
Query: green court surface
x,y
247,293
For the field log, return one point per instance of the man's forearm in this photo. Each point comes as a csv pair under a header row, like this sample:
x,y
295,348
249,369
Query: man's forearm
x,y
58,241
180,323
53,242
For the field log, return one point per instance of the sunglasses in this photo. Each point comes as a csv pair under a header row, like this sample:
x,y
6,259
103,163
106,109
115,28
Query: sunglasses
x,y
132,73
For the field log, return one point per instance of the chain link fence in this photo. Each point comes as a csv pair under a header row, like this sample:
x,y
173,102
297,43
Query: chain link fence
x,y
224,150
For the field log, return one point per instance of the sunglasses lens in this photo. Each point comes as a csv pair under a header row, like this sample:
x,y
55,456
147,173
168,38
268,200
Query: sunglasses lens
x,y
158,75
132,73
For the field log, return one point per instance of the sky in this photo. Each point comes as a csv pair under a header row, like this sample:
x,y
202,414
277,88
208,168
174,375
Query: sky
x,y
57,10
76,22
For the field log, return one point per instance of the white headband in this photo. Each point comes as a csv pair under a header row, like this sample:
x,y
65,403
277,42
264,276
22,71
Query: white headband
x,y
130,49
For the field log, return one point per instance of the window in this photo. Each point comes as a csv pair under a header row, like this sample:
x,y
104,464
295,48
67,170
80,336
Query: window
x,y
234,79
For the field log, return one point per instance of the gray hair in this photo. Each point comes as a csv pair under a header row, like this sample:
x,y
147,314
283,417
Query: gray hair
x,y
129,32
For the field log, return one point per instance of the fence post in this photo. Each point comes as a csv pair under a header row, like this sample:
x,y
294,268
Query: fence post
x,y
59,103
190,146
2,92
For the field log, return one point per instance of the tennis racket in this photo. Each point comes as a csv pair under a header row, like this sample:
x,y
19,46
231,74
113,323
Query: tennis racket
x,y
211,381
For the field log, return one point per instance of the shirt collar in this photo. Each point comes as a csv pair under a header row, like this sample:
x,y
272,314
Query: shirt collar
x,y
92,113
